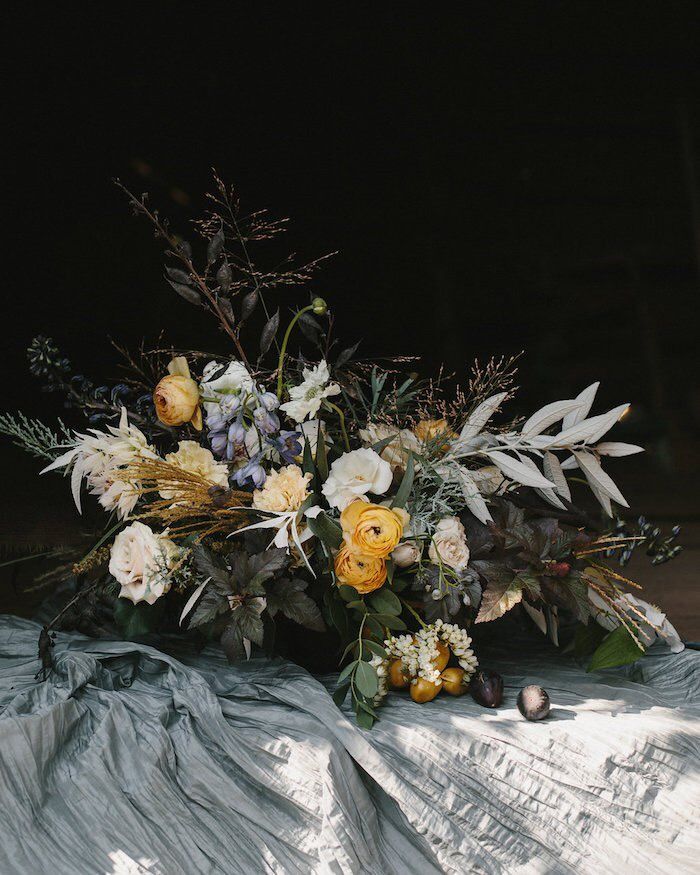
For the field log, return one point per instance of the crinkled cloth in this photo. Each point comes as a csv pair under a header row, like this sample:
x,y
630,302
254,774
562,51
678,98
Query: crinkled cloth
x,y
129,760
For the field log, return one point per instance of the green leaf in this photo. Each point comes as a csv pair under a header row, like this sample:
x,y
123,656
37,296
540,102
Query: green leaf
x,y
347,671
404,489
383,601
288,596
307,460
326,530
364,720
374,647
587,638
498,599
618,648
347,593
249,573
136,620
391,622
249,622
366,680
232,642
321,455
399,584
340,694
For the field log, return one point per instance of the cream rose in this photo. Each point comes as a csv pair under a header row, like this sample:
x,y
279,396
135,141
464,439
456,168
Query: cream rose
x,y
449,544
355,474
396,452
407,553
197,460
140,561
284,490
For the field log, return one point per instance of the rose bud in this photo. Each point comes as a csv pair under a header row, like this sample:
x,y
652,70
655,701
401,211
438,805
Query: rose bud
x,y
453,681
424,691
176,397
533,702
486,688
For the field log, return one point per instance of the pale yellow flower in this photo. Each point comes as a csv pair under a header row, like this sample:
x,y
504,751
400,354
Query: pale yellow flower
x,y
284,490
176,397
196,460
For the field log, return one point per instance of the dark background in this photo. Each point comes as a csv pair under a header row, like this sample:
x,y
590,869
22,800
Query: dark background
x,y
497,177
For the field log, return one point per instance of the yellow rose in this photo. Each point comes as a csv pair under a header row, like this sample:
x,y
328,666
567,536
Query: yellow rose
x,y
176,397
428,429
372,529
363,573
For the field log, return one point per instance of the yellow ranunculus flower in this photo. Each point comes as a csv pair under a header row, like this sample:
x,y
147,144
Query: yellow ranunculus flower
x,y
363,573
372,529
428,430
176,396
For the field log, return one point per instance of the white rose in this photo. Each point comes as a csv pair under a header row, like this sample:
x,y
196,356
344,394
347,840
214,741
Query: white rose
x,y
397,450
140,561
305,399
407,553
196,460
449,544
355,474
234,379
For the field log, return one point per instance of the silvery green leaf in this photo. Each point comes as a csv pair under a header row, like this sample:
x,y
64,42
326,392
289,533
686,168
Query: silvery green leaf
x,y
537,617
192,600
548,415
518,471
481,415
598,478
569,464
472,497
612,448
585,399
603,500
553,471
550,496
588,430
608,420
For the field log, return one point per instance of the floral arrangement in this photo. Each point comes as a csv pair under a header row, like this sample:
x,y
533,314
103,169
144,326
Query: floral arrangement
x,y
286,481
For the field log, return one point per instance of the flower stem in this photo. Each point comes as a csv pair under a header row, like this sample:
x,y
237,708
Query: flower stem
x,y
283,350
341,416
414,612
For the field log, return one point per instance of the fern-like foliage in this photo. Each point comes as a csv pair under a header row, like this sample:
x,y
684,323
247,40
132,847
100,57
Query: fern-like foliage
x,y
33,436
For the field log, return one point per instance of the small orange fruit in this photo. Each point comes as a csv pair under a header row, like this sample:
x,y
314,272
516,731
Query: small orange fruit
x,y
424,691
397,678
453,681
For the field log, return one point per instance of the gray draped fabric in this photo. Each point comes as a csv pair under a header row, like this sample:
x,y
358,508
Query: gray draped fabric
x,y
129,760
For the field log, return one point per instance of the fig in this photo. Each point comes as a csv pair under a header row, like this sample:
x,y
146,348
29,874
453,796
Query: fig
x,y
486,688
397,678
424,691
453,681
533,702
